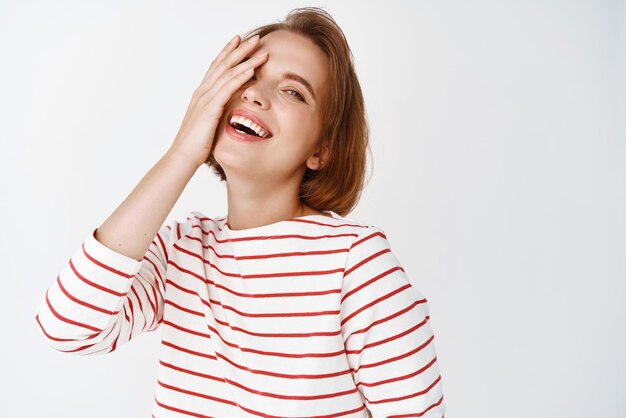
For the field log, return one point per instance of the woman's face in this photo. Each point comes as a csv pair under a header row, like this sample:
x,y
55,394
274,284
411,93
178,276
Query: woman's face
x,y
285,106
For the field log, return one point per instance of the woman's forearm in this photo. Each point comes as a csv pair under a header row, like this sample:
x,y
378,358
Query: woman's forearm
x,y
130,229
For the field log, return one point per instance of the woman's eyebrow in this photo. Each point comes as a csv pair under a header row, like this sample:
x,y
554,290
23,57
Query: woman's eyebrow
x,y
295,77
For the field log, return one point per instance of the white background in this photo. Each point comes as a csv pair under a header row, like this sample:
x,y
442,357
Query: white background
x,y
499,150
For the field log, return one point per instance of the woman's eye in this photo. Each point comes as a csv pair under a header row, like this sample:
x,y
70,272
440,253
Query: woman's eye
x,y
298,95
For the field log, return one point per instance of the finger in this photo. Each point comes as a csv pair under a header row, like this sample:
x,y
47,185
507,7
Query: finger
x,y
228,48
221,95
231,59
234,72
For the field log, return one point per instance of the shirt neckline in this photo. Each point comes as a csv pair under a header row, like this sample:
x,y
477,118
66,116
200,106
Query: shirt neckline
x,y
263,228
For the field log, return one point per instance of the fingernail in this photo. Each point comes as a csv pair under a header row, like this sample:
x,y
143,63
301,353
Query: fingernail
x,y
234,39
253,39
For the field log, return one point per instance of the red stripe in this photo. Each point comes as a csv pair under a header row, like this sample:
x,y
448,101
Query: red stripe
x,y
404,377
126,314
157,257
272,237
176,285
362,240
192,273
209,247
133,289
372,280
114,346
180,411
201,395
160,287
409,396
191,311
50,337
155,310
219,220
291,254
216,221
163,245
271,314
76,350
385,319
93,284
285,236
69,321
81,302
389,339
308,221
245,295
273,353
375,301
248,276
292,274
285,375
186,330
396,358
152,304
159,282
420,414
104,266
188,351
365,261
282,334
132,318
293,397
191,372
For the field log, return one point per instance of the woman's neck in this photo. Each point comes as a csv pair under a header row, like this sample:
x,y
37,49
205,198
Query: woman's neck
x,y
253,205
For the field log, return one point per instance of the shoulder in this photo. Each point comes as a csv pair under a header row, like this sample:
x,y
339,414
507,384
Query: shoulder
x,y
194,223
198,219
366,235
335,221
369,244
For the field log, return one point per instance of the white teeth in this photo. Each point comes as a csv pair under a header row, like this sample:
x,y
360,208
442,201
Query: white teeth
x,y
247,122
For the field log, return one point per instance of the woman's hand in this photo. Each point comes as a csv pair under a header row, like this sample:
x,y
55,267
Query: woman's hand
x,y
224,77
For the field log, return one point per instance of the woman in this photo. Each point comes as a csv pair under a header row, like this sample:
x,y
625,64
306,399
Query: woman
x,y
284,307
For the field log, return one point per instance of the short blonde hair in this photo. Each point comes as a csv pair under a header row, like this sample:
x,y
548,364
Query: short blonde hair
x,y
337,186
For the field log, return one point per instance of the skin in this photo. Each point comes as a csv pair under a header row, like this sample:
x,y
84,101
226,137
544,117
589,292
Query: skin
x,y
263,178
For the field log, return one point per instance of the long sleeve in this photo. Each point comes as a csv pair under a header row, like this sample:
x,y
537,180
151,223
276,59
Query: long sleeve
x,y
102,299
386,331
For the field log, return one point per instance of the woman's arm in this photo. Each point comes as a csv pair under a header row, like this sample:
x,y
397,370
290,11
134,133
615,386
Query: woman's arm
x,y
130,229
132,226
113,287
387,335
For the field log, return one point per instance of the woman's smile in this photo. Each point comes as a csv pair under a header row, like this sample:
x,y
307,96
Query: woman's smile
x,y
243,136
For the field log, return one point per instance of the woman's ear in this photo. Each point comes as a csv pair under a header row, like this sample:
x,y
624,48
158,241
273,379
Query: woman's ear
x,y
320,158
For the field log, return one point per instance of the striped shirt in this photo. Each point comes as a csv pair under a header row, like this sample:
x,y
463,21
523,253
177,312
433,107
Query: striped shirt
x,y
308,317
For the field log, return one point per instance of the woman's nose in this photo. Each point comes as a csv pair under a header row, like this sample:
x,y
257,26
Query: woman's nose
x,y
253,94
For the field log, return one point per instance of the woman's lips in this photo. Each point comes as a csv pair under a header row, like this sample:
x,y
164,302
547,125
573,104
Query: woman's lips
x,y
242,136
254,118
